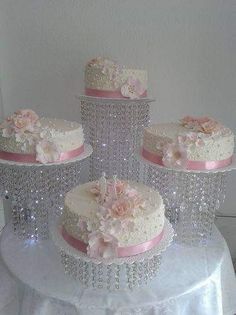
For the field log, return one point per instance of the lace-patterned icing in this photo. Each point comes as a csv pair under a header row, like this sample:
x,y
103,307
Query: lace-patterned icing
x,y
106,75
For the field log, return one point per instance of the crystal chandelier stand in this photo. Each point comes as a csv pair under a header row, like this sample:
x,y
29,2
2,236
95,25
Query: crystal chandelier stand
x,y
36,192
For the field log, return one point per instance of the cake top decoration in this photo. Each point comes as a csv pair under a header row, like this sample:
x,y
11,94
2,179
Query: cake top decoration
x,y
205,125
117,205
22,121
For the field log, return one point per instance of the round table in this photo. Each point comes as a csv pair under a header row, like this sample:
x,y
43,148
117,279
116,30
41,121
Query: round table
x,y
192,280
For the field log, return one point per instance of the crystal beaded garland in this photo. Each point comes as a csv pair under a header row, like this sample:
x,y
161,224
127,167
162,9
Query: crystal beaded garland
x,y
114,128
111,277
191,200
111,273
37,193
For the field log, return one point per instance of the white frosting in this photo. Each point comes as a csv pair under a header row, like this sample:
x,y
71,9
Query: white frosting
x,y
97,78
65,134
218,146
80,204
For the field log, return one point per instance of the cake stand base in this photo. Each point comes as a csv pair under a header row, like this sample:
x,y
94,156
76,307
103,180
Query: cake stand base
x,y
189,279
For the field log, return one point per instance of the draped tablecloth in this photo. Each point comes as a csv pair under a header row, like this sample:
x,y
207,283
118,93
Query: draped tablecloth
x,y
191,281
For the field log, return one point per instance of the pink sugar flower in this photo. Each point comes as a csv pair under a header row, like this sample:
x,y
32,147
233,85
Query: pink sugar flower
x,y
21,121
201,124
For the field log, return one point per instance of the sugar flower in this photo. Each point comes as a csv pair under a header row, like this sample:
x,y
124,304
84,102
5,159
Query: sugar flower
x,y
201,124
24,120
119,186
101,244
132,88
124,207
175,155
47,152
111,226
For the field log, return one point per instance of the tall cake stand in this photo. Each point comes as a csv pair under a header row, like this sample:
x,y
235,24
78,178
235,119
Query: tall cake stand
x,y
36,192
191,198
113,273
114,128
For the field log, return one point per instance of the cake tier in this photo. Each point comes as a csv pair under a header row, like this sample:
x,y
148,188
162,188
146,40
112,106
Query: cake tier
x,y
24,137
64,134
199,146
102,77
82,208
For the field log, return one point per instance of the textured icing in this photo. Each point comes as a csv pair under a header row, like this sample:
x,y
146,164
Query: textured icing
x,y
65,134
80,204
216,147
95,78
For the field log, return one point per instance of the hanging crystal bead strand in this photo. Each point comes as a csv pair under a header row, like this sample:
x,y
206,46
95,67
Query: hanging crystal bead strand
x,y
191,200
114,129
33,190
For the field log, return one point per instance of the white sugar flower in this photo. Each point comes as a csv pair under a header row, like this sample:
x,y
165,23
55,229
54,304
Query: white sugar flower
x,y
47,152
175,156
102,245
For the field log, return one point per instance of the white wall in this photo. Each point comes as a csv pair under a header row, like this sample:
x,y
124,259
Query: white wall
x,y
187,46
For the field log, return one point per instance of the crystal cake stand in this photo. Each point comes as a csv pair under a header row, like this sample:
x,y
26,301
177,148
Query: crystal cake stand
x,y
191,198
115,273
184,270
34,188
114,128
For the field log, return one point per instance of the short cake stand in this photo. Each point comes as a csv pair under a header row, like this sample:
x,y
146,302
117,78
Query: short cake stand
x,y
114,128
191,197
36,192
112,273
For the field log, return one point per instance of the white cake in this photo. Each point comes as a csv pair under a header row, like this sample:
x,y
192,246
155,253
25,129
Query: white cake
x,y
105,78
192,143
131,216
40,139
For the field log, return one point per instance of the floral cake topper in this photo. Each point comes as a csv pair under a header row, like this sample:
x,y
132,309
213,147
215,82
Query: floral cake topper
x,y
22,121
201,124
118,203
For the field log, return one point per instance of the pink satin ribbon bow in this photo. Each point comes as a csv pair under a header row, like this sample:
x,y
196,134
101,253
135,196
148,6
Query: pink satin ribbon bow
x,y
31,158
121,251
191,165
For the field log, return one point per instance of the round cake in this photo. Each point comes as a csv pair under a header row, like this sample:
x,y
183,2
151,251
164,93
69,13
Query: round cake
x,y
113,218
106,78
24,137
192,143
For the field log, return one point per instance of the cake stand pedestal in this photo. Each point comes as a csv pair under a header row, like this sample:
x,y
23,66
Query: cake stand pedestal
x,y
35,188
114,128
190,281
191,198
113,273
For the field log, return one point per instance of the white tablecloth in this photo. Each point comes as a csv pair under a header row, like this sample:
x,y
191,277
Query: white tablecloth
x,y
192,281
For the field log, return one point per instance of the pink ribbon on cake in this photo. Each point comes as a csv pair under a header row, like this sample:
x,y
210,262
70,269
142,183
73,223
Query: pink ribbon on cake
x,y
107,94
191,165
121,251
31,158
